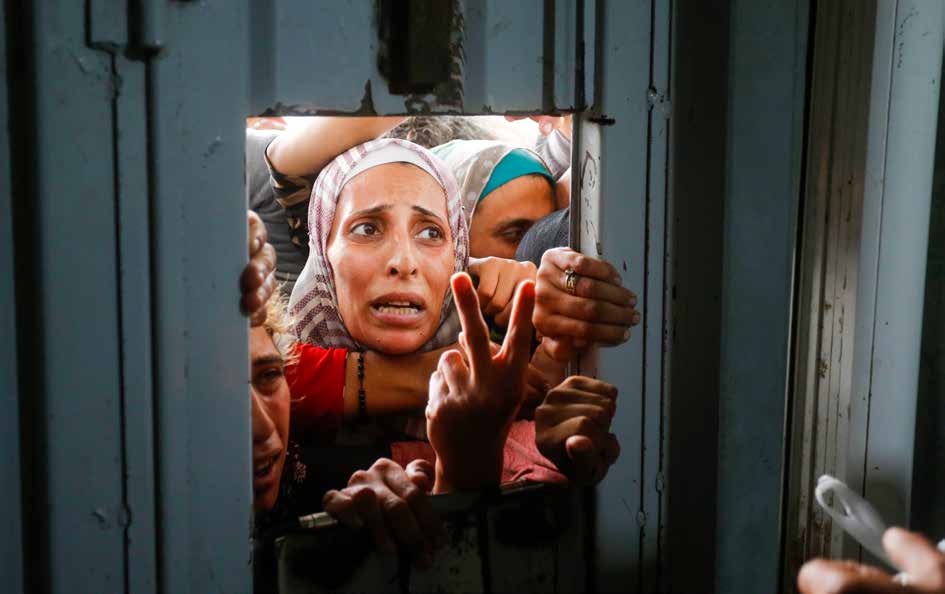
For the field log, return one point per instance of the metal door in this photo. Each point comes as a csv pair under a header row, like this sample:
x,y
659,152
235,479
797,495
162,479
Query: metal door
x,y
128,432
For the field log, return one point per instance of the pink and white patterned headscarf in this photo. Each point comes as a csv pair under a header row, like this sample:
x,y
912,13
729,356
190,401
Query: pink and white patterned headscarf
x,y
314,302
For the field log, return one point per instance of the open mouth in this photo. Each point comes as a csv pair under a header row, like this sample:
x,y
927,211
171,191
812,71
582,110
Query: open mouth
x,y
262,469
397,308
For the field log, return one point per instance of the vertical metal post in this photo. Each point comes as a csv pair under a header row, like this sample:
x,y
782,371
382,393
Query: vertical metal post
x,y
827,277
72,372
629,171
694,225
900,151
201,401
131,138
766,96
928,482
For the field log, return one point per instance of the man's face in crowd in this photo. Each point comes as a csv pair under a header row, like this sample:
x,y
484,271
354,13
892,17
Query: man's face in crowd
x,y
270,405
505,214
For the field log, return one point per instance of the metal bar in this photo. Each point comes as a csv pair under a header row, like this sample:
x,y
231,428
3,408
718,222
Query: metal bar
x,y
828,273
148,33
694,224
76,410
131,139
107,23
11,535
766,97
566,52
624,78
201,399
900,152
657,290
928,488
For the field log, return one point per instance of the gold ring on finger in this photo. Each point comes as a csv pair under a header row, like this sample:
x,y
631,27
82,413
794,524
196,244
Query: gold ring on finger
x,y
570,280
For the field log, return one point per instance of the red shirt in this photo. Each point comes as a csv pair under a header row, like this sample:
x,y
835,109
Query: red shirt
x,y
317,384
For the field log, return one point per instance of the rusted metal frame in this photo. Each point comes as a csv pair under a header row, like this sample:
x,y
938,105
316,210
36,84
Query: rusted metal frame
x,y
828,273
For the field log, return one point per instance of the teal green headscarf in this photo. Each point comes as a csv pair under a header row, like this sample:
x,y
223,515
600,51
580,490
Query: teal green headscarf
x,y
481,166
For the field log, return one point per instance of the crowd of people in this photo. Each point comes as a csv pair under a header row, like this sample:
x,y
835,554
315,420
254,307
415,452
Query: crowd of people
x,y
413,308
403,341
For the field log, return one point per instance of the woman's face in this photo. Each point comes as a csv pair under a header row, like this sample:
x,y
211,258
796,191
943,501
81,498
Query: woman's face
x,y
270,405
391,252
506,213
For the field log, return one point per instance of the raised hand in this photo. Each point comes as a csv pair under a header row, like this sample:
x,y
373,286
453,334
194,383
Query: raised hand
x,y
392,503
572,428
472,405
922,562
498,279
594,309
547,124
258,280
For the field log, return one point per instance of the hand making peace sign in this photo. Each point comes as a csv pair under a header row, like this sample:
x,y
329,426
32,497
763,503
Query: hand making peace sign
x,y
474,399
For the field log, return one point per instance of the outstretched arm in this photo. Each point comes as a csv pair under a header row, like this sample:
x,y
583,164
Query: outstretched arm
x,y
391,502
306,149
572,428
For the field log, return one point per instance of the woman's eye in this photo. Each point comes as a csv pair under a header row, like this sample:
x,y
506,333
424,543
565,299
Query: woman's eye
x,y
365,230
268,377
431,233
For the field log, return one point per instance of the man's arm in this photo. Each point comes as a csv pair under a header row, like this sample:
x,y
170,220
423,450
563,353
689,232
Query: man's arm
x,y
306,149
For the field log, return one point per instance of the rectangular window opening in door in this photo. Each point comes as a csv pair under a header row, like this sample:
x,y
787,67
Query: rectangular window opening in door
x,y
377,377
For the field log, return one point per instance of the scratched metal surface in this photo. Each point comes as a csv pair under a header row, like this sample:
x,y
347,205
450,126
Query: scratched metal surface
x,y
900,155
180,113
828,273
508,62
69,245
631,62
198,215
106,136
